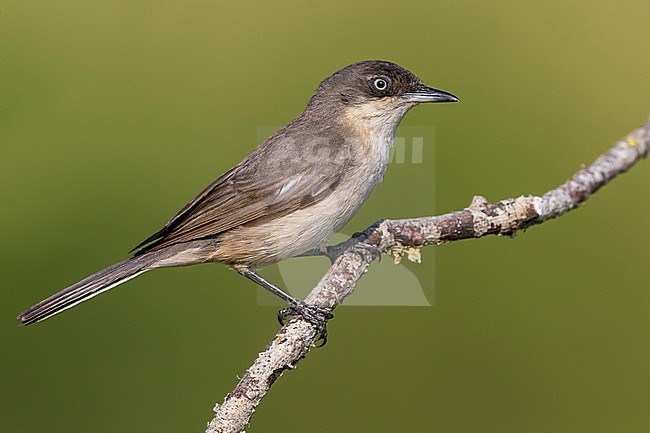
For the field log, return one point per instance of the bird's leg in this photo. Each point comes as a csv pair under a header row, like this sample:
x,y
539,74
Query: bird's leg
x,y
253,276
319,251
334,251
316,315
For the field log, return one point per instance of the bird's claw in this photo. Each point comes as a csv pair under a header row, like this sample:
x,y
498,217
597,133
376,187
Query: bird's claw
x,y
373,250
317,316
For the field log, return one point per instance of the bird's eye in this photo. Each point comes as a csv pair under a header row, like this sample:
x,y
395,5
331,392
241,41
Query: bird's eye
x,y
380,84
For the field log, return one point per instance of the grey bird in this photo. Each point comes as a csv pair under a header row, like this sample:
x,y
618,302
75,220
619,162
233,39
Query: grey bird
x,y
288,196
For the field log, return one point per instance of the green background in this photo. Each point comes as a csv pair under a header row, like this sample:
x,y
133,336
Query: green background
x,y
114,114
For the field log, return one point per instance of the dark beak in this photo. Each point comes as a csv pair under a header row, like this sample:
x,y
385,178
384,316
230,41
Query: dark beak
x,y
427,94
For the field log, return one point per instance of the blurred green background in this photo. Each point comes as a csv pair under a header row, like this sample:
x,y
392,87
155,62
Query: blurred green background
x,y
114,114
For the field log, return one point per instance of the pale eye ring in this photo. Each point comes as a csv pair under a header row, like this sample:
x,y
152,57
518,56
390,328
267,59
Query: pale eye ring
x,y
380,84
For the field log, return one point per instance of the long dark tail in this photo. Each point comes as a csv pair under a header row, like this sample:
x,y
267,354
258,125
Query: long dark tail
x,y
87,288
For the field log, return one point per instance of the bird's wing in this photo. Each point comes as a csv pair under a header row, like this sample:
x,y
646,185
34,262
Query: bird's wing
x,y
268,183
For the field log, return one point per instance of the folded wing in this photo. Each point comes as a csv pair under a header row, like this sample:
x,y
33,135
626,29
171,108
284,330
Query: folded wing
x,y
274,180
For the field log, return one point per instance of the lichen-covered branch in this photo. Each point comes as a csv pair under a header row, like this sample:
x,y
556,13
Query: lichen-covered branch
x,y
396,237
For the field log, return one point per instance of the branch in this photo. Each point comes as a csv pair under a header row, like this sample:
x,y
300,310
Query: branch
x,y
396,237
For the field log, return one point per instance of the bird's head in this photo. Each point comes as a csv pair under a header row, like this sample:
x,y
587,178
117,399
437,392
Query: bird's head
x,y
375,89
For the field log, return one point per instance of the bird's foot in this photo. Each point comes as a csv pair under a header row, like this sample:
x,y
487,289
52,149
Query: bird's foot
x,y
374,251
317,316
358,239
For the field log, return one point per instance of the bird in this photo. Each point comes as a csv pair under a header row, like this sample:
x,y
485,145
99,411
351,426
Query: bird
x,y
288,196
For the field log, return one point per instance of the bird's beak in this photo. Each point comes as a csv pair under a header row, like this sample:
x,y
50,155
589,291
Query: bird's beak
x,y
427,94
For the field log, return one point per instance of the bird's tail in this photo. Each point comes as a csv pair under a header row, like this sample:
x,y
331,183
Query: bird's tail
x,y
87,288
